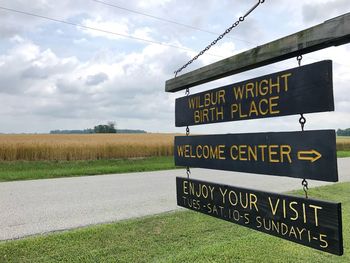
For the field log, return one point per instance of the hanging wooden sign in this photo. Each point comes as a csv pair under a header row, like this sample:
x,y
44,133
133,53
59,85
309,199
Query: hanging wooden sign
x,y
303,89
307,154
309,222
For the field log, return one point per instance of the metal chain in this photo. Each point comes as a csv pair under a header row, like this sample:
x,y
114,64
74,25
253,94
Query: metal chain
x,y
302,121
305,185
228,30
187,131
188,172
299,58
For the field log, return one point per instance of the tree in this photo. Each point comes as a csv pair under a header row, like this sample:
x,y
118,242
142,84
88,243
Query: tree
x,y
103,128
345,132
112,127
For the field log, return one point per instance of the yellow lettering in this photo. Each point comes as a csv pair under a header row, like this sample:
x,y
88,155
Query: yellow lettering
x,y
234,109
213,153
221,96
275,85
285,150
180,150
191,188
187,151
238,92
260,107
253,109
222,152
206,151
241,152
273,208
220,113
230,198
234,147
325,243
273,153
294,210
262,147
273,104
249,89
205,115
241,115
185,185
206,99
196,116
191,103
252,200
252,153
315,207
223,195
197,151
263,90
285,78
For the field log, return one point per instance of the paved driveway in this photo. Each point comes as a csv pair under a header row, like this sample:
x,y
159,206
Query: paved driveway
x,y
40,206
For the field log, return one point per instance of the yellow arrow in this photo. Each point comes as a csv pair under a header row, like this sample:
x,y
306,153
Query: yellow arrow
x,y
311,155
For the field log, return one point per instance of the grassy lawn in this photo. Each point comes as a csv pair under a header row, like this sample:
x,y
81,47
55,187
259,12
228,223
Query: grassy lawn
x,y
342,154
24,170
181,236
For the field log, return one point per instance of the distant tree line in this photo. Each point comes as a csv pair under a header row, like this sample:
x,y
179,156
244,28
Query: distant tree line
x,y
110,127
86,131
130,131
345,132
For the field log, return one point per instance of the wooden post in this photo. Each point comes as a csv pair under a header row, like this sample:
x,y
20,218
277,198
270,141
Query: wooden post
x,y
332,32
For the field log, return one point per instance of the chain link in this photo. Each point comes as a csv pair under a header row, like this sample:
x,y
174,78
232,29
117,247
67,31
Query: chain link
x,y
228,30
188,172
302,121
299,58
187,131
305,185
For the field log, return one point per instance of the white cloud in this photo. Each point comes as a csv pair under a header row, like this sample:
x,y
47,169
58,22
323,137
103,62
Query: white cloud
x,y
131,88
325,9
64,77
120,27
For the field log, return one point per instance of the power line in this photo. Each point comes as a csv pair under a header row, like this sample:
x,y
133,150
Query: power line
x,y
166,20
100,30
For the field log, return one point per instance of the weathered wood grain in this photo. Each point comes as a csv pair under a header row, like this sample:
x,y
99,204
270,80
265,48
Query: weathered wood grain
x,y
306,154
309,222
304,89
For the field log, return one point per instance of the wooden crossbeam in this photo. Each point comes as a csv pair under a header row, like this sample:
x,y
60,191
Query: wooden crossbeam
x,y
333,32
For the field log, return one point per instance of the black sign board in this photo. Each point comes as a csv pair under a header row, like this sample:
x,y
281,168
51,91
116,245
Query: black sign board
x,y
309,222
307,154
303,89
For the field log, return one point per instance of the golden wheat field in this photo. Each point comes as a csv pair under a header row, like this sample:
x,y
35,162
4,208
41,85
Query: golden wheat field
x,y
343,143
94,146
84,146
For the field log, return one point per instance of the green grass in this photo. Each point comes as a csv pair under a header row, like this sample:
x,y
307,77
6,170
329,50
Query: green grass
x,y
342,154
182,236
24,170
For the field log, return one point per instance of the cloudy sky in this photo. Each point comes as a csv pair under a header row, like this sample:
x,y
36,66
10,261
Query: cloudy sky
x,y
55,75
